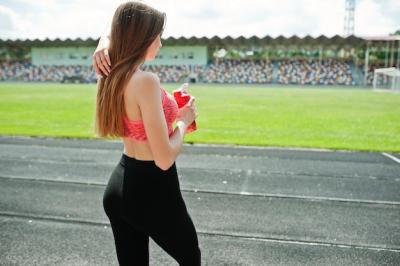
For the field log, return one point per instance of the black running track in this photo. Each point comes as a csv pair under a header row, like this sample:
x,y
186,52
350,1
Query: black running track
x,y
250,205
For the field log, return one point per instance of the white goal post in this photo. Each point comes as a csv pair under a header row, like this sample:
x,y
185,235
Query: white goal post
x,y
386,78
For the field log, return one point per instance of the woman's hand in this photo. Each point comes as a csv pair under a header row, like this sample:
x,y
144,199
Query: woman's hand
x,y
101,60
187,113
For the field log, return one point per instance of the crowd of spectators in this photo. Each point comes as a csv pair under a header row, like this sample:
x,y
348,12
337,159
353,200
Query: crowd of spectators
x,y
313,72
25,71
238,71
175,73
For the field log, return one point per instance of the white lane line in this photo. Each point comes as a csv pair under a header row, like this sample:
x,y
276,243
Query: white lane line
x,y
397,160
267,147
94,140
106,224
301,242
63,180
46,146
295,197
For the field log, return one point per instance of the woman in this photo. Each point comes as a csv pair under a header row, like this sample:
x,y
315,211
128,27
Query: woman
x,y
142,198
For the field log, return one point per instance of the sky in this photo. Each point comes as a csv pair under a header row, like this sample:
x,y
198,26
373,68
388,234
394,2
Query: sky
x,y
41,19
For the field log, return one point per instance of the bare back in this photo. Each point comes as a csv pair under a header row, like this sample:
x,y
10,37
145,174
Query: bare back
x,y
132,148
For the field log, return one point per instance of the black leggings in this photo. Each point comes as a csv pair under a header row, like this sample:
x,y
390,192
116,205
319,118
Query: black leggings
x,y
141,200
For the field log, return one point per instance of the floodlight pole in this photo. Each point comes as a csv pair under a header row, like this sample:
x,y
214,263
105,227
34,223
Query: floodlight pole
x,y
350,7
398,54
392,47
366,59
387,54
320,54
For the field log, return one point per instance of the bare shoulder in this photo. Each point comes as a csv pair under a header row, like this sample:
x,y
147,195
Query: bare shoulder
x,y
145,79
145,84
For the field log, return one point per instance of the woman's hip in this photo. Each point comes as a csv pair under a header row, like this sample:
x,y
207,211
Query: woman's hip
x,y
148,188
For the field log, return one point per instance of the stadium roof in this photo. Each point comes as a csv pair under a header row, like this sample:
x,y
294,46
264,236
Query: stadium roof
x,y
383,38
338,41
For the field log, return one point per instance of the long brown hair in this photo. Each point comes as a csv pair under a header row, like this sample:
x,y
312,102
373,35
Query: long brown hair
x,y
134,27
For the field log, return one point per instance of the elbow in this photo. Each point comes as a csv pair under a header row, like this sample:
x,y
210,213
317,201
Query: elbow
x,y
164,164
164,158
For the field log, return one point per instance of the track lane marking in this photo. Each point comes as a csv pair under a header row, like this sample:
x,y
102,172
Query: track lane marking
x,y
397,160
215,233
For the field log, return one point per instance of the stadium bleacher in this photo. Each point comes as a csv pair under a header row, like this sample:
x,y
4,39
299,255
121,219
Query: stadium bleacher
x,y
312,72
25,71
303,72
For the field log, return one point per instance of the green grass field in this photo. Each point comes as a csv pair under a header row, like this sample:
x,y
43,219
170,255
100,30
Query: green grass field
x,y
334,118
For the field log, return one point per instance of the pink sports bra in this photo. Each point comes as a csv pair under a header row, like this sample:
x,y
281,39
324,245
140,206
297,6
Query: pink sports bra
x,y
134,129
